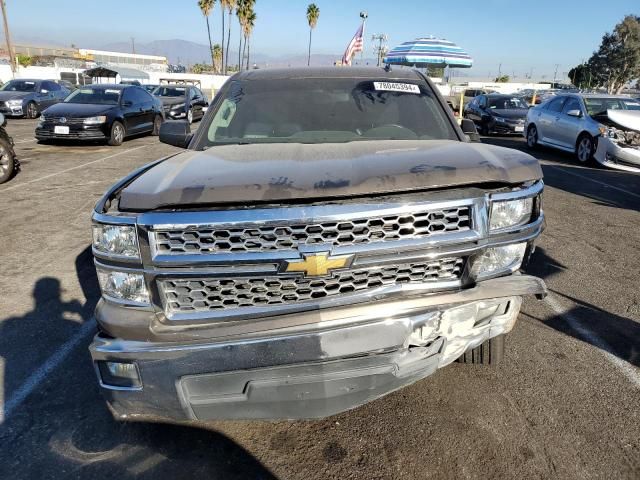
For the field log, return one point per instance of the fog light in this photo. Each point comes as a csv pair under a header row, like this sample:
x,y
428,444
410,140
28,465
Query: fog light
x,y
505,259
118,374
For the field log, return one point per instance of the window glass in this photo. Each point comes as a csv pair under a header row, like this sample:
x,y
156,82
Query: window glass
x,y
505,102
556,104
572,104
19,86
326,110
51,86
599,106
99,96
169,91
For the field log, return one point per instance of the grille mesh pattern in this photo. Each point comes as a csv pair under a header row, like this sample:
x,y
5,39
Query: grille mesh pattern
x,y
341,233
211,294
67,121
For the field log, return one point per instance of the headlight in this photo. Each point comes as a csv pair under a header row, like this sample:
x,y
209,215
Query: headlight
x,y
510,213
123,286
494,260
14,103
177,107
116,240
95,120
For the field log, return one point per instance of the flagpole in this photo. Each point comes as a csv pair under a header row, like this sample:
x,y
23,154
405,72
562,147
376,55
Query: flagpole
x,y
363,15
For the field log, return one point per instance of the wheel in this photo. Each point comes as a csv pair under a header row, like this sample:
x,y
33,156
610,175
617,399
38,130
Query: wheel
x,y
490,352
157,121
190,116
8,164
532,137
32,110
585,148
117,134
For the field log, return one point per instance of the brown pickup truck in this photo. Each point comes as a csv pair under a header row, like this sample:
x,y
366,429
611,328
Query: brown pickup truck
x,y
325,237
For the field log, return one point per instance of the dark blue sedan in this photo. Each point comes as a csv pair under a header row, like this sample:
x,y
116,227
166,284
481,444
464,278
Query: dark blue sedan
x,y
26,97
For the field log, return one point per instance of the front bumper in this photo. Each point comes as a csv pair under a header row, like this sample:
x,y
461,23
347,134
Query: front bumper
x,y
317,371
76,132
507,128
11,111
611,154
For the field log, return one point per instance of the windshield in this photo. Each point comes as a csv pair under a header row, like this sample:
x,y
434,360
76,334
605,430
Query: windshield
x,y
19,86
169,91
97,96
599,106
506,103
324,110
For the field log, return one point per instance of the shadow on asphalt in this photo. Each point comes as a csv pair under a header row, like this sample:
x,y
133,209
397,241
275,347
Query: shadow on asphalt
x,y
64,429
621,335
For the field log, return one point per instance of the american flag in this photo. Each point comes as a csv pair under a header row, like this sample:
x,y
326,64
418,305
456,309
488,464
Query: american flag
x,y
355,46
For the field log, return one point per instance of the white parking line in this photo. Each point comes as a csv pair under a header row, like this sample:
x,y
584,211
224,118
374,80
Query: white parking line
x,y
24,141
39,375
599,182
19,185
632,373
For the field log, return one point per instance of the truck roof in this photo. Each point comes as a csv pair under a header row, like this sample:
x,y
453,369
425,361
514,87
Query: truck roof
x,y
330,72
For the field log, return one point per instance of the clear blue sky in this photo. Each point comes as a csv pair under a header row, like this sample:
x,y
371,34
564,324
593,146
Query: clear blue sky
x,y
520,35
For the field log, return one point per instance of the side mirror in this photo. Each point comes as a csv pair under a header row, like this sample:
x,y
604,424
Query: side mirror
x,y
574,113
176,133
469,129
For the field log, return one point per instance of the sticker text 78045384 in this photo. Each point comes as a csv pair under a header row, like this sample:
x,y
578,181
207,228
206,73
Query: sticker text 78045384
x,y
396,87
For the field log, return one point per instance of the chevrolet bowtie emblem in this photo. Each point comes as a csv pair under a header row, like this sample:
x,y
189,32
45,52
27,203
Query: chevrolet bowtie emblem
x,y
318,264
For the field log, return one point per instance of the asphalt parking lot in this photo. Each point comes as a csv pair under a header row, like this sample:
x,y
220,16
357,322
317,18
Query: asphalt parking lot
x,y
565,404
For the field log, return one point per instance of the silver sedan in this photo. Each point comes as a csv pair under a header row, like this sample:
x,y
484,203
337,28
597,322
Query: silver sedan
x,y
574,122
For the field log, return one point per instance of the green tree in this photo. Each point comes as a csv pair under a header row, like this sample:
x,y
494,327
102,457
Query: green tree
x,y
313,14
24,60
250,22
617,60
581,76
502,79
217,58
206,7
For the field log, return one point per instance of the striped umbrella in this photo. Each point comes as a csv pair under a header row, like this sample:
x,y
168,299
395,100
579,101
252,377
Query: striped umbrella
x,y
424,52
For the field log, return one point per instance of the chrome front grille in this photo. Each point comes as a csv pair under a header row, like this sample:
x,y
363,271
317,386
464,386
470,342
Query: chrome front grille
x,y
189,295
335,233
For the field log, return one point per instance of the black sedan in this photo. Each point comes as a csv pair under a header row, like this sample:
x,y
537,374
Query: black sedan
x,y
174,100
496,113
28,97
102,112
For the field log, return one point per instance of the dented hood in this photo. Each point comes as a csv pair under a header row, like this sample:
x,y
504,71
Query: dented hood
x,y
238,174
625,118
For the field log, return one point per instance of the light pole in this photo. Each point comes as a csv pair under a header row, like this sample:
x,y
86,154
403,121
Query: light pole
x,y
363,15
7,37
381,49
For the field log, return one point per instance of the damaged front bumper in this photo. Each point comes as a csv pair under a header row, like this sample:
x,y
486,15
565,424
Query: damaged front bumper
x,y
360,354
614,154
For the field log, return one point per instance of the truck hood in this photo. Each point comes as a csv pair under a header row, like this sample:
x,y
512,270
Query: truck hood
x,y
241,174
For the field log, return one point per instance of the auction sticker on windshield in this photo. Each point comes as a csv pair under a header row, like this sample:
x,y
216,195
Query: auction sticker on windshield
x,y
396,87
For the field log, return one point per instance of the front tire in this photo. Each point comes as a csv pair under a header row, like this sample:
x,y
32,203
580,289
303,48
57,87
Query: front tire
x,y
117,134
490,352
32,110
585,148
157,121
532,137
8,164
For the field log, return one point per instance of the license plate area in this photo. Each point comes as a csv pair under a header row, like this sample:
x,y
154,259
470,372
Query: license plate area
x,y
519,129
62,130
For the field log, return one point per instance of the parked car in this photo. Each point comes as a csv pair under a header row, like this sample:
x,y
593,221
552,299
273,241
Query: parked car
x,y
150,87
9,164
327,237
27,98
468,95
576,122
497,113
174,100
102,112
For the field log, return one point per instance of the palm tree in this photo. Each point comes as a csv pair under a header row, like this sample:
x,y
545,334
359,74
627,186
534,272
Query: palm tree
x,y
217,58
231,5
241,11
206,6
250,22
223,6
313,13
